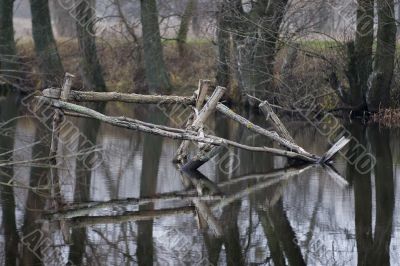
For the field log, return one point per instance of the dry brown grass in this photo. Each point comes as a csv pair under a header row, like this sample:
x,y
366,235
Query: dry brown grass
x,y
387,117
121,65
123,72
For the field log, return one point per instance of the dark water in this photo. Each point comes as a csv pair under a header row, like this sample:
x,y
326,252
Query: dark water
x,y
270,214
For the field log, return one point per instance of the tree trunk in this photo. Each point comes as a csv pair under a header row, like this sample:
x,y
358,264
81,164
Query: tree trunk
x,y
360,54
256,35
184,26
63,20
196,22
378,95
7,197
271,21
156,75
148,187
91,69
79,236
384,195
398,16
8,59
370,82
286,72
224,50
50,65
30,250
325,15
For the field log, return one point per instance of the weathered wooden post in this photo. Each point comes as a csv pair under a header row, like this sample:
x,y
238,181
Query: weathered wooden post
x,y
201,95
57,120
203,89
58,114
202,116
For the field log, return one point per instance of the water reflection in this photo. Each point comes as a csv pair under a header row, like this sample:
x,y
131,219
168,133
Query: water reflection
x,y
148,184
83,170
270,213
11,237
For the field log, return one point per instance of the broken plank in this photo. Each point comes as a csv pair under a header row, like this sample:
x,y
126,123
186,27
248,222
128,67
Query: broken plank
x,y
199,121
340,144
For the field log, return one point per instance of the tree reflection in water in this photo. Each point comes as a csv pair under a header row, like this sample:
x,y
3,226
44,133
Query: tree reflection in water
x,y
268,214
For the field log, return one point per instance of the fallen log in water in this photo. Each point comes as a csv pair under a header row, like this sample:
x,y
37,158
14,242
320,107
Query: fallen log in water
x,y
269,134
82,96
173,134
194,131
92,96
209,145
276,122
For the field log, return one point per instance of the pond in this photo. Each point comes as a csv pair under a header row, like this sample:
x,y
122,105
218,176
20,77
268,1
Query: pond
x,y
265,212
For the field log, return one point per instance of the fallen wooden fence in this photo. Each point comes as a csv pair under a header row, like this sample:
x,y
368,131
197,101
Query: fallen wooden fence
x,y
203,106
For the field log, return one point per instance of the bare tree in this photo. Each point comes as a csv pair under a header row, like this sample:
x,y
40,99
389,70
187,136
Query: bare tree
x,y
359,64
50,65
63,20
184,26
381,78
91,68
7,197
369,77
255,28
156,74
7,42
361,60
223,40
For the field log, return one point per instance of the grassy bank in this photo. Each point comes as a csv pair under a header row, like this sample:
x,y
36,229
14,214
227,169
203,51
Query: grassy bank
x,y
123,72
122,67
